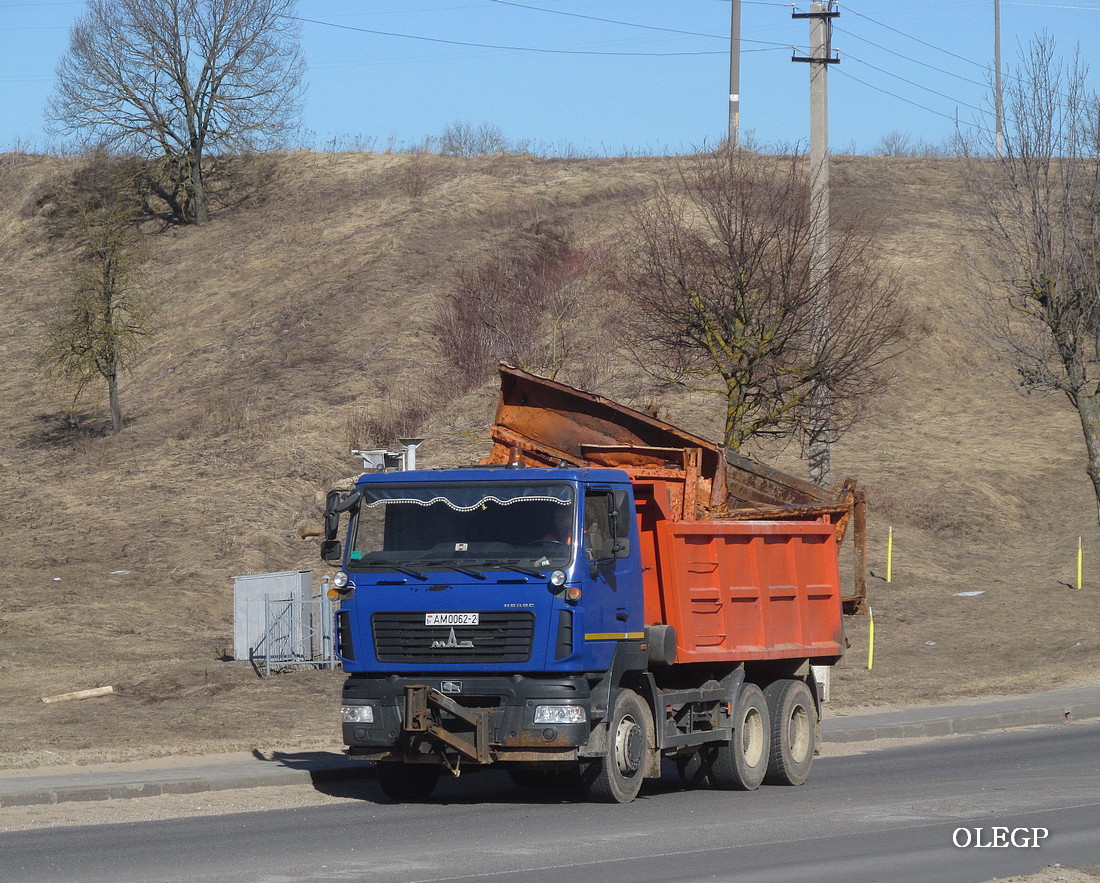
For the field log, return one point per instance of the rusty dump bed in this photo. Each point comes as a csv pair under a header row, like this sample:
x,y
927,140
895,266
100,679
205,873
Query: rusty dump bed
x,y
749,590
546,423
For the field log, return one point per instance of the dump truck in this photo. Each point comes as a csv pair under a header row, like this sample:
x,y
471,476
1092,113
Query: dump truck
x,y
602,592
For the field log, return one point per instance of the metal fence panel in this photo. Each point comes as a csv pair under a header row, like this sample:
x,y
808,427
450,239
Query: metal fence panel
x,y
297,633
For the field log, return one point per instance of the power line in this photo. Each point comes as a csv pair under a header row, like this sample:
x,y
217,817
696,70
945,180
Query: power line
x,y
914,60
612,21
917,39
330,24
986,67
856,58
1054,6
631,24
938,113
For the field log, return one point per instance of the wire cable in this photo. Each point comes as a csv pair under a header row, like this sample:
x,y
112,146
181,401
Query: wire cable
x,y
856,58
507,48
917,39
628,24
899,97
914,60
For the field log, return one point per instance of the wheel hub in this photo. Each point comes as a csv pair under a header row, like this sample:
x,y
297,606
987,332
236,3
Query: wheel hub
x,y
629,749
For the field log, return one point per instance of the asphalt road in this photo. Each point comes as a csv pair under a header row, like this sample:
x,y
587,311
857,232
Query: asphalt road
x,y
888,815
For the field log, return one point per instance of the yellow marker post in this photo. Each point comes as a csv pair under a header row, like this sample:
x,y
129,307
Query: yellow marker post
x,y
871,639
890,555
1079,562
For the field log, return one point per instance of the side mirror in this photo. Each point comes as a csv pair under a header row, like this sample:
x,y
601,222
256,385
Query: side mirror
x,y
622,548
332,525
332,552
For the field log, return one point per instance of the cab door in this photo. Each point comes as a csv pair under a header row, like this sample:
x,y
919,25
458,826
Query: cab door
x,y
613,599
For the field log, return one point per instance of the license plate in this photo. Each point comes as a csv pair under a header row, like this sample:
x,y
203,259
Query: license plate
x,y
450,619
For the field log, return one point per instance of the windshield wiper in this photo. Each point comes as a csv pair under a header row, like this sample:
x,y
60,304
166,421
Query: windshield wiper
x,y
400,568
466,570
514,565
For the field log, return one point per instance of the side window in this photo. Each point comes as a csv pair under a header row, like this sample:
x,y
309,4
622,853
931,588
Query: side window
x,y
597,525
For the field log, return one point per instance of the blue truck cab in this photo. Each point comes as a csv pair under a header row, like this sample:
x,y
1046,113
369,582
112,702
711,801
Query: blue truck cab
x,y
486,615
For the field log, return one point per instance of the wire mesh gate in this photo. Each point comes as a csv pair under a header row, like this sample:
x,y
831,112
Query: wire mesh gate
x,y
296,633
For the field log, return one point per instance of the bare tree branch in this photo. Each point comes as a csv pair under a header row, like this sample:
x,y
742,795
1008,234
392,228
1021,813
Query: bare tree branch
x,y
718,269
1038,208
180,79
538,305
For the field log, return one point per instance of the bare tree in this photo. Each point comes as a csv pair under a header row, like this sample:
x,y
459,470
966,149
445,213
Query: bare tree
x,y
718,268
106,318
465,139
538,305
178,79
1038,207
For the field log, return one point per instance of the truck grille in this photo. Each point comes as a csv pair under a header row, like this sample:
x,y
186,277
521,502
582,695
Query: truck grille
x,y
344,645
502,636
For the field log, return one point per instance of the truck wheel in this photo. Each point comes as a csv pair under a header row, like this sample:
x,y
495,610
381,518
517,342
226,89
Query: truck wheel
x,y
407,782
740,764
617,776
793,731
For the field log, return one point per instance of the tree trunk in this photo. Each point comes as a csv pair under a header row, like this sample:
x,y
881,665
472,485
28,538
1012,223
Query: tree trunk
x,y
820,431
198,189
116,405
1088,408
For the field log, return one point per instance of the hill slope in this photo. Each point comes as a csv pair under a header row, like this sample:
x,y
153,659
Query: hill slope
x,y
284,322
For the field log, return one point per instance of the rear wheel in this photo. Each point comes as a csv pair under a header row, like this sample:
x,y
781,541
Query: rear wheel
x,y
740,764
617,776
407,782
793,731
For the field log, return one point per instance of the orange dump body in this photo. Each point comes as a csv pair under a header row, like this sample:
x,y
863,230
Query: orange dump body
x,y
749,591
745,590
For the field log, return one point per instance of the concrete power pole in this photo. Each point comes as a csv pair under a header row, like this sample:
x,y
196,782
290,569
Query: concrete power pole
x,y
735,72
821,15
998,97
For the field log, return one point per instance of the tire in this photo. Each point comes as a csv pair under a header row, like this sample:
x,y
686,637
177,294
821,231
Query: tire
x,y
407,782
617,776
793,731
741,763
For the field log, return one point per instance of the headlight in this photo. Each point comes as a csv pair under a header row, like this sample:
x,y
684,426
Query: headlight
x,y
559,714
340,579
357,714
557,578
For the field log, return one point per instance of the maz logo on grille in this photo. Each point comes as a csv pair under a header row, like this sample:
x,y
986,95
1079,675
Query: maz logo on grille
x,y
452,643
500,636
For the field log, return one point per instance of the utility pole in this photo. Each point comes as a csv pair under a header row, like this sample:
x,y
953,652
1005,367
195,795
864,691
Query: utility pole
x,y
821,14
998,97
735,72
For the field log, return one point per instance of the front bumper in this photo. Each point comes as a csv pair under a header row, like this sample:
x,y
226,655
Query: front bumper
x,y
480,719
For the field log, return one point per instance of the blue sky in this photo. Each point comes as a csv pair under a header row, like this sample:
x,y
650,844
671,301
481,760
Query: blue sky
x,y
604,75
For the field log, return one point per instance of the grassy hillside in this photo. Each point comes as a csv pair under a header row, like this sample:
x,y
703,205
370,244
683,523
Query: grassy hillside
x,y
289,321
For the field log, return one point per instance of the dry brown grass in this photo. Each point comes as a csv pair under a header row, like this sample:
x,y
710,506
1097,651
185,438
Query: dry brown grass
x,y
291,326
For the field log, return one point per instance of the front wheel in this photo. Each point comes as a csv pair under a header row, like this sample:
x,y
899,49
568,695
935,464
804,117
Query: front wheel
x,y
407,782
617,776
740,764
793,731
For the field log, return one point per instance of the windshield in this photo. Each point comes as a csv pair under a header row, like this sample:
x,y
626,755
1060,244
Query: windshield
x,y
480,526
